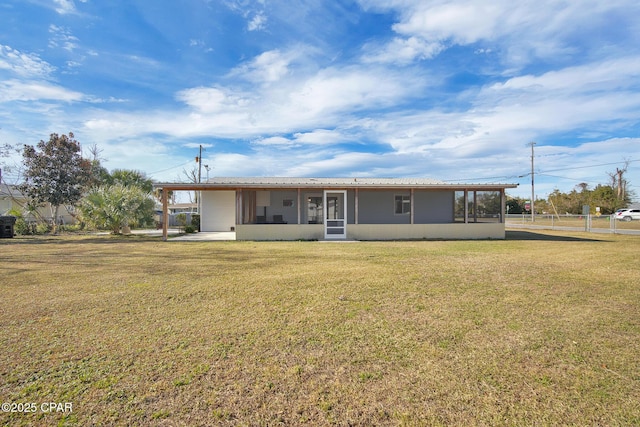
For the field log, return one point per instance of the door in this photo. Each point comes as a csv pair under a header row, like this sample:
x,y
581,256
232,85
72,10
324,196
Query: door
x,y
335,211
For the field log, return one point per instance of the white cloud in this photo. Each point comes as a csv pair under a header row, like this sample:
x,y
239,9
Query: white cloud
x,y
267,67
258,22
64,7
61,37
522,29
335,90
321,137
15,90
203,99
23,64
273,141
402,51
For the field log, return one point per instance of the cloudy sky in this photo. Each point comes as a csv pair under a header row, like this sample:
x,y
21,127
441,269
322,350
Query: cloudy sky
x,y
451,90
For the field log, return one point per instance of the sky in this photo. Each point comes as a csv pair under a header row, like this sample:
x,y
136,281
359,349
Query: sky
x,y
450,90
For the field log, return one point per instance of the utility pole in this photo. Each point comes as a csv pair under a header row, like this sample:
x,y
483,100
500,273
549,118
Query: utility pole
x,y
200,165
199,193
533,200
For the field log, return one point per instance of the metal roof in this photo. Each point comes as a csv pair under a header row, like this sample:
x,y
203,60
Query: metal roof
x,y
218,183
323,181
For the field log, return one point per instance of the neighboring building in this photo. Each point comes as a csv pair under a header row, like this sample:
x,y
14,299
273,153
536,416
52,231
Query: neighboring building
x,y
188,209
348,208
177,208
12,198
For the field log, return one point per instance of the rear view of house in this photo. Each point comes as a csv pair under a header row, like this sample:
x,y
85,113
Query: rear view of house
x,y
349,208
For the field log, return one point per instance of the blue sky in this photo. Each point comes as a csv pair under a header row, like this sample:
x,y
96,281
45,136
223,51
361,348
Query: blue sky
x,y
451,90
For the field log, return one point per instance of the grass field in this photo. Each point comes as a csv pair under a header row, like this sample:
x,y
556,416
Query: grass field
x,y
539,329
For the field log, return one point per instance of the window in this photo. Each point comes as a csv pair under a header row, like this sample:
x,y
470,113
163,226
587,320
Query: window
x,y
481,206
458,206
488,206
403,204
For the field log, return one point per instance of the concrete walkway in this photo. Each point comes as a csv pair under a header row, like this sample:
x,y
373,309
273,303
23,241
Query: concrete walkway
x,y
204,236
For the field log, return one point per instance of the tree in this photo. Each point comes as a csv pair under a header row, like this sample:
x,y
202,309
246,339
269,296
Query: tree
x,y
99,174
117,206
130,178
620,184
55,173
7,151
122,199
604,197
192,176
515,206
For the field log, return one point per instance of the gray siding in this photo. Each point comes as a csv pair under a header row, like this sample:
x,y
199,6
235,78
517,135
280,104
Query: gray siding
x,y
433,207
378,207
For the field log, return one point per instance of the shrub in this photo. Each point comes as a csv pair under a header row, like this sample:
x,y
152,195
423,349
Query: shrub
x,y
181,219
43,228
189,229
21,226
195,221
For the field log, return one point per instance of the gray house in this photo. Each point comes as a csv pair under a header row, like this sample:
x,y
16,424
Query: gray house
x,y
348,208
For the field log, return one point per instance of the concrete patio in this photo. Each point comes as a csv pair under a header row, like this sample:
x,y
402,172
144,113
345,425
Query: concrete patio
x,y
204,236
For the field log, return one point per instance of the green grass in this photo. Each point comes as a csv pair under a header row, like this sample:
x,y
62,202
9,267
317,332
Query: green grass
x,y
539,329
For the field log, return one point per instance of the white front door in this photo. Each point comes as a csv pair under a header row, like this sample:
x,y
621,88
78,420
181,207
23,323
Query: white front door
x,y
335,214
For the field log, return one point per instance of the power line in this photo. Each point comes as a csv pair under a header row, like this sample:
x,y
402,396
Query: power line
x,y
538,172
168,169
588,166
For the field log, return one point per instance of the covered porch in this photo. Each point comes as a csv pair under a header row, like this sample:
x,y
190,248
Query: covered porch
x,y
348,208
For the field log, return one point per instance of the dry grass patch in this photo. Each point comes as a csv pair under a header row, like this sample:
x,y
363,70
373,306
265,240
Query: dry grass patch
x,y
537,329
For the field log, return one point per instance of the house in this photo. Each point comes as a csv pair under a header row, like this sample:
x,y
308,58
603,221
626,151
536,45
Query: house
x,y
12,198
188,209
347,208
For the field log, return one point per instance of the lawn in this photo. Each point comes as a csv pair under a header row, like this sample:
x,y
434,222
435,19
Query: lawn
x,y
539,329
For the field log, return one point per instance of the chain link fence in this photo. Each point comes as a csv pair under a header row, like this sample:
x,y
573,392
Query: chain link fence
x,y
588,223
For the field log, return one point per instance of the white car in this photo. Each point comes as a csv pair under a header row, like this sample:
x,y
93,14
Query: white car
x,y
627,214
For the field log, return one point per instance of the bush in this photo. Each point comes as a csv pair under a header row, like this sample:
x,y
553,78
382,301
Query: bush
x,y
43,228
71,228
181,219
21,227
189,229
195,221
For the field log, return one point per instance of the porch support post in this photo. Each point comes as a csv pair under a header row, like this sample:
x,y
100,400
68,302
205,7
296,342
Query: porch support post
x,y
299,207
356,205
475,206
503,201
239,207
165,214
466,206
411,201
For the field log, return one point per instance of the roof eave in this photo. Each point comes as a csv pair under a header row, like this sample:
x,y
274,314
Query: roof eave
x,y
336,186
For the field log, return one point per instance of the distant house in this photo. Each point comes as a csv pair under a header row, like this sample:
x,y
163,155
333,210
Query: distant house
x,y
177,208
348,208
188,209
12,198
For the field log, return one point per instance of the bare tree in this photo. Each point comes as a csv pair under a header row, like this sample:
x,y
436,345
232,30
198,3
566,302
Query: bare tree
x,y
618,181
95,153
192,177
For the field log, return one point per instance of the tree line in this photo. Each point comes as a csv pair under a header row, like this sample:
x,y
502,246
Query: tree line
x,y
608,197
56,173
